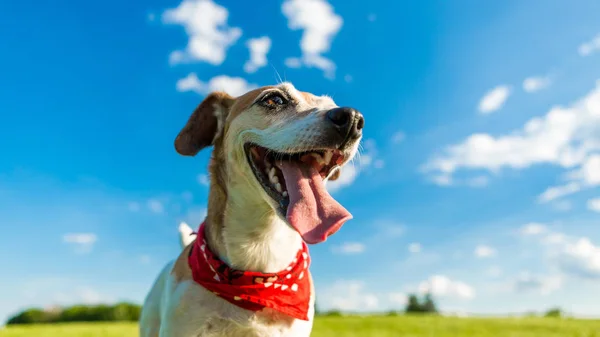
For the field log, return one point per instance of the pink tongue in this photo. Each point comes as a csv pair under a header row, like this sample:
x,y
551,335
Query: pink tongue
x,y
311,211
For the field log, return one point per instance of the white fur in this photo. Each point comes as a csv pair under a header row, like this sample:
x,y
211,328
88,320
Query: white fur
x,y
186,235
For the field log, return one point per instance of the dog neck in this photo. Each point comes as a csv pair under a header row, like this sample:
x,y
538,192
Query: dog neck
x,y
245,232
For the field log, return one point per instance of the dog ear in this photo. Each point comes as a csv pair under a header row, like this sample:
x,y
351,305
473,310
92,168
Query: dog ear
x,y
335,174
204,125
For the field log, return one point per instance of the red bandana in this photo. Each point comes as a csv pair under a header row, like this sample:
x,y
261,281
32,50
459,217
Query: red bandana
x,y
287,291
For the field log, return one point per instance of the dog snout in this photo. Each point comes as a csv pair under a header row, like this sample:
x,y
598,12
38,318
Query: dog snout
x,y
348,122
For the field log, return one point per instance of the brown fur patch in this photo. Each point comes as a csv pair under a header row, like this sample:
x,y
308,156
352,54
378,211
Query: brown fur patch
x,y
201,127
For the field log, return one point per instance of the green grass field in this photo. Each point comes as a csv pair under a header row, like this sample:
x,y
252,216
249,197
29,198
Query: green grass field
x,y
409,326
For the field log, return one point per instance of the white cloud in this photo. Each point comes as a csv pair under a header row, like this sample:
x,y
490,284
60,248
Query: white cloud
x,y
259,48
348,295
594,205
580,257
536,83
589,172
203,179
567,137
206,25
320,24
587,48
442,286
83,242
352,170
494,99
398,137
575,256
350,248
398,299
155,206
415,247
544,285
533,228
293,62
555,192
483,251
234,86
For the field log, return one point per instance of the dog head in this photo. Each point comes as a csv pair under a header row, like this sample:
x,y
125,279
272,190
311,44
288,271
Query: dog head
x,y
274,148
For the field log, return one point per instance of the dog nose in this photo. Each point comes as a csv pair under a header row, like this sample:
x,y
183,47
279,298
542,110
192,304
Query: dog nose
x,y
347,121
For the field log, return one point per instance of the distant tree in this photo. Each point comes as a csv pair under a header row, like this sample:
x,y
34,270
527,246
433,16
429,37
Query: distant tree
x,y
332,313
428,305
79,313
554,312
413,305
28,316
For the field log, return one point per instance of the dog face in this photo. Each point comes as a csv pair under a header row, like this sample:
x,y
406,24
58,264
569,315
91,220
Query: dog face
x,y
279,145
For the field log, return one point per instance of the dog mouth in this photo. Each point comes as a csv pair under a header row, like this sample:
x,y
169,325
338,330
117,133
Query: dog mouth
x,y
295,181
266,165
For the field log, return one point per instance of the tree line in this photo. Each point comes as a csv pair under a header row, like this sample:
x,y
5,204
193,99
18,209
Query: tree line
x,y
78,313
131,312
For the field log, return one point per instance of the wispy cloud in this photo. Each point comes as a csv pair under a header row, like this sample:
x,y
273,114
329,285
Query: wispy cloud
x,y
566,137
349,295
209,35
483,251
234,86
533,228
527,282
398,137
589,47
494,99
349,248
415,247
536,83
555,192
155,206
319,24
594,205
82,242
443,286
259,48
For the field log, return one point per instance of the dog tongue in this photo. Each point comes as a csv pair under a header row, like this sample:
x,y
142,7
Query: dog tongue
x,y
311,211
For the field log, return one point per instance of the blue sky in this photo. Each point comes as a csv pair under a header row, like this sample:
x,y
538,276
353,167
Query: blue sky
x,y
478,181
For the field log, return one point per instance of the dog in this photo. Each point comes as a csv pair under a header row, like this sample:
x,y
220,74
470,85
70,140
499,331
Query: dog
x,y
245,272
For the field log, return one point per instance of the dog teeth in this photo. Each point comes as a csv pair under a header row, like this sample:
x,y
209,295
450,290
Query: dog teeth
x,y
267,164
271,173
318,157
278,187
285,194
328,155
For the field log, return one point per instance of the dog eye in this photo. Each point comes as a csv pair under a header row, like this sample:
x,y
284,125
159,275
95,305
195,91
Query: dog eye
x,y
273,100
